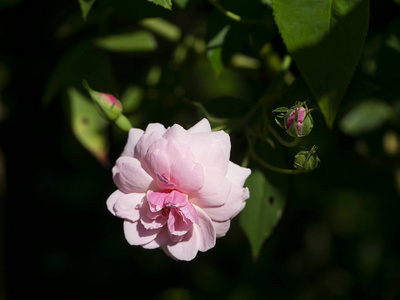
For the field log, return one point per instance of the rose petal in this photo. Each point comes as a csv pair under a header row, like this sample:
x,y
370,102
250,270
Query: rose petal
x,y
237,174
215,191
211,150
176,133
133,138
128,206
202,126
205,231
187,175
136,234
232,207
112,199
145,143
160,240
186,249
129,176
221,228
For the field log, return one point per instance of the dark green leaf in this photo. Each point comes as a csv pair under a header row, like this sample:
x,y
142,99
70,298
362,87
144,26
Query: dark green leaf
x,y
80,62
86,5
214,52
140,41
164,3
263,210
228,107
367,116
325,39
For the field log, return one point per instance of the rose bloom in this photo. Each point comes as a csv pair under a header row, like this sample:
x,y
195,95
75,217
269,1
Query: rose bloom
x,y
177,188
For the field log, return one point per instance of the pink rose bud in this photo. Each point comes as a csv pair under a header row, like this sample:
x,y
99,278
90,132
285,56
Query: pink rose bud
x,y
307,160
297,120
109,106
177,188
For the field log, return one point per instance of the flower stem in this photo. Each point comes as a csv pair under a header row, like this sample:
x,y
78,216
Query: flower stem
x,y
281,140
232,15
274,168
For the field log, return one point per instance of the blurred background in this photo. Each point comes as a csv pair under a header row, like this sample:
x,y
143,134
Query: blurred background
x,y
338,237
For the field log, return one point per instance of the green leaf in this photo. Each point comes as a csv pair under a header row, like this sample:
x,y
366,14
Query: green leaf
x,y
162,27
139,41
263,210
164,3
181,3
88,126
214,52
131,99
365,117
86,5
325,39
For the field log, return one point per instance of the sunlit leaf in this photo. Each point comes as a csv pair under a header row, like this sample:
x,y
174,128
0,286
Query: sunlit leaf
x,y
88,126
325,39
140,41
86,5
367,116
163,28
164,3
263,210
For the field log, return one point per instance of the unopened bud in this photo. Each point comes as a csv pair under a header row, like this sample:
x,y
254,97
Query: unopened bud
x,y
109,106
307,160
297,120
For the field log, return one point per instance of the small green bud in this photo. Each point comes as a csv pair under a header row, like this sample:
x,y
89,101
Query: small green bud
x,y
307,160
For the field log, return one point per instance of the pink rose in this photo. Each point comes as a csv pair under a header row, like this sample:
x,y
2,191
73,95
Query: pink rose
x,y
177,188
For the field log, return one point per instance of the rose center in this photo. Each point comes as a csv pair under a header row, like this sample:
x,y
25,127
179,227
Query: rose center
x,y
175,207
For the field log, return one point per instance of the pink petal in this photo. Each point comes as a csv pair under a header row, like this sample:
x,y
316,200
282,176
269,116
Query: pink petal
x,y
160,240
205,231
186,249
112,199
156,200
145,142
176,224
221,228
129,176
133,138
236,174
211,150
177,134
202,126
232,207
128,206
187,175
136,234
215,191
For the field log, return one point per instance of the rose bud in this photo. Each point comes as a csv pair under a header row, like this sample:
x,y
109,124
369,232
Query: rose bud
x,y
307,160
298,121
109,106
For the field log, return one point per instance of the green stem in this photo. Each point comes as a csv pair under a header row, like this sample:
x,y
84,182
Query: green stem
x,y
232,15
274,168
255,156
281,140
